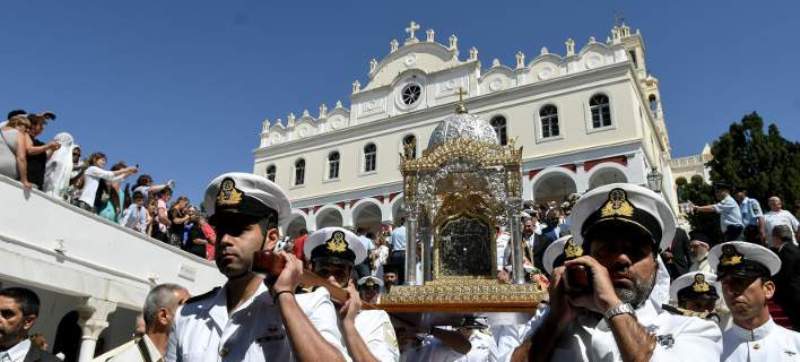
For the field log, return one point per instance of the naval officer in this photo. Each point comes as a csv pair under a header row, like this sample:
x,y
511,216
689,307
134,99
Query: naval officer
x,y
617,314
368,334
246,319
746,272
696,295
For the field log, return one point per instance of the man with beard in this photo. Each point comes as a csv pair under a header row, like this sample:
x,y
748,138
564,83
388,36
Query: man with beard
x,y
369,335
250,319
746,272
390,277
605,302
699,247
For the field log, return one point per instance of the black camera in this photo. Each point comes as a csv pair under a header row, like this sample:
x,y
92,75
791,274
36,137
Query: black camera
x,y
578,280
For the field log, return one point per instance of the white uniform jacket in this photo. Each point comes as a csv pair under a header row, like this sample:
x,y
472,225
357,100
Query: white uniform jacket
x,y
375,328
483,350
769,342
203,331
679,338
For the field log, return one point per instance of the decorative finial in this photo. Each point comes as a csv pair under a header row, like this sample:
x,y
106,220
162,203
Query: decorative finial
x,y
430,34
339,103
544,51
520,60
570,47
356,86
265,124
453,42
393,45
306,114
592,40
290,120
473,53
373,64
460,106
495,62
411,29
323,110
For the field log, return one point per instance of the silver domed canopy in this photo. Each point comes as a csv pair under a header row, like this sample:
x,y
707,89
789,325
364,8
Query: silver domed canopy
x,y
462,125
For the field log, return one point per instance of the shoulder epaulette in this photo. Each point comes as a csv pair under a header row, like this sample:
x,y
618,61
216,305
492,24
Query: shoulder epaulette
x,y
200,297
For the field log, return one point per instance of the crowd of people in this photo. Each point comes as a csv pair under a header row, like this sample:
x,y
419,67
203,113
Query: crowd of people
x,y
58,169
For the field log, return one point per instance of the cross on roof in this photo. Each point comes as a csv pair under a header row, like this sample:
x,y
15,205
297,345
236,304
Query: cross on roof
x,y
461,94
412,27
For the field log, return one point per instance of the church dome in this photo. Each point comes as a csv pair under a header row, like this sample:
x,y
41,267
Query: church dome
x,y
462,125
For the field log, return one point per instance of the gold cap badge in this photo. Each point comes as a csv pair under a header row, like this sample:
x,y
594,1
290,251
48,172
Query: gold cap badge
x,y
572,250
700,285
228,194
337,244
730,256
617,204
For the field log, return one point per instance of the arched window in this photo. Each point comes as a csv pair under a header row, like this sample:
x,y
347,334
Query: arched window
x,y
271,173
410,146
499,125
333,165
653,102
601,111
299,172
370,157
549,117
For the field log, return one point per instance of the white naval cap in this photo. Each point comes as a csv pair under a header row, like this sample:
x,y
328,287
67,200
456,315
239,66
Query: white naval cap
x,y
246,193
370,280
554,254
694,284
627,203
743,258
335,244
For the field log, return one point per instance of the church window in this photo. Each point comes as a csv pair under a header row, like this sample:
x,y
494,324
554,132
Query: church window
x,y
370,157
299,172
271,173
410,146
653,102
499,125
411,93
601,111
549,118
333,165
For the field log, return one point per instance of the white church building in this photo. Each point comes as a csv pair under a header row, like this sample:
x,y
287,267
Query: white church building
x,y
586,118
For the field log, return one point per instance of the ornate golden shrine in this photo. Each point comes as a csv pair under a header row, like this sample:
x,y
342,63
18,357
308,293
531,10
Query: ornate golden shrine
x,y
463,186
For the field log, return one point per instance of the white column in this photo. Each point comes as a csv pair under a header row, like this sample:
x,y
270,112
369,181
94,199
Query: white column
x,y
581,178
93,320
637,170
311,220
347,217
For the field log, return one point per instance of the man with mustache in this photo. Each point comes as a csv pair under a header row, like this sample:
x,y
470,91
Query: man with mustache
x,y
249,319
369,335
605,302
746,271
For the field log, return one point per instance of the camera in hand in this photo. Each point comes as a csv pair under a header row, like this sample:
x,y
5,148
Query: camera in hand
x,y
267,263
578,280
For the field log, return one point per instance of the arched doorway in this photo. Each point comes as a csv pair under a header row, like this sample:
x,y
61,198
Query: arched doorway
x,y
367,215
398,210
554,186
298,223
329,217
68,337
605,176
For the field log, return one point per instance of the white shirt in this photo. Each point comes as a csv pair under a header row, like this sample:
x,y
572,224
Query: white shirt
x,y
502,243
204,331
135,217
129,352
375,328
483,350
91,182
729,213
770,342
16,353
680,338
781,217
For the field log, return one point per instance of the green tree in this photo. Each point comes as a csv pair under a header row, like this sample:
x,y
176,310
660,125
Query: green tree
x,y
764,164
699,192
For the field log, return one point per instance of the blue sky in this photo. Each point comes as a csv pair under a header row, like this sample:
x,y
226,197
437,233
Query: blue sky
x,y
181,87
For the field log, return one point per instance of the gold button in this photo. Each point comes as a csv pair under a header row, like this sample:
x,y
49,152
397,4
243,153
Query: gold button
x,y
223,352
756,346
